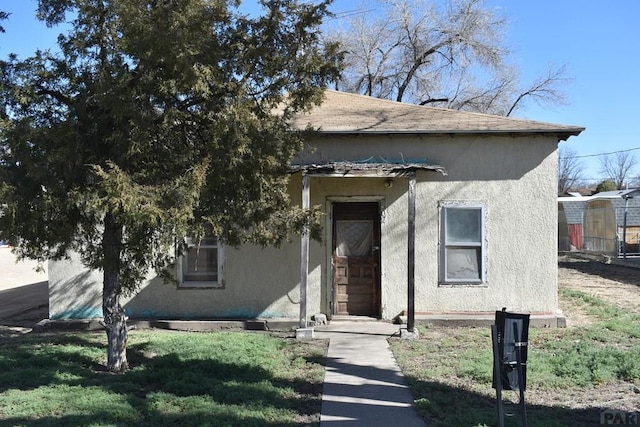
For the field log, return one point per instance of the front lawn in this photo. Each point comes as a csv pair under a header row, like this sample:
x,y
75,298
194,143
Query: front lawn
x,y
176,378
573,374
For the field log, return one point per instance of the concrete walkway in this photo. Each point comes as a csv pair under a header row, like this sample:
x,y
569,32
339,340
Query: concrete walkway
x,y
363,385
24,291
14,273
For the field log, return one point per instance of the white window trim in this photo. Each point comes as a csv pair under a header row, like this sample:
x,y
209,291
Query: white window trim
x,y
444,206
204,283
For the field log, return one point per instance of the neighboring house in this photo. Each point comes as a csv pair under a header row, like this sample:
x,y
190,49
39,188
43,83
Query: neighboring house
x,y
440,212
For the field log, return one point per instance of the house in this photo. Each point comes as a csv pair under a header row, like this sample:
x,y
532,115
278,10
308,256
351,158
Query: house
x,y
429,213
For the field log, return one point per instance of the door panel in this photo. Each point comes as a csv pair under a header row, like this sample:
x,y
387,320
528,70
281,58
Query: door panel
x,y
356,292
356,259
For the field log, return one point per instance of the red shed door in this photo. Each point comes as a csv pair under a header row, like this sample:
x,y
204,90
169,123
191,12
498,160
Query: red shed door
x,y
356,259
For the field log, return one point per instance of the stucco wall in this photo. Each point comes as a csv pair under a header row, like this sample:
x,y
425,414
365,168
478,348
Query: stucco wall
x,y
514,180
256,286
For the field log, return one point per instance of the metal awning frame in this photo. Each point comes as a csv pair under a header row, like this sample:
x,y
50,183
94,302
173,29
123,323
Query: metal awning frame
x,y
364,170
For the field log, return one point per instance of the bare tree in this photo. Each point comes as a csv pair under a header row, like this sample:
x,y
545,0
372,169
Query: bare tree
x,y
618,167
3,15
451,56
570,170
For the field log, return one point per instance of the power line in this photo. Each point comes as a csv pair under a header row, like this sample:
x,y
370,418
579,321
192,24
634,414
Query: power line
x,y
350,13
344,13
602,154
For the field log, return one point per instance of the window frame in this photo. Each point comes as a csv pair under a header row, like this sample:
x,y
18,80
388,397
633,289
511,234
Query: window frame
x,y
183,259
445,244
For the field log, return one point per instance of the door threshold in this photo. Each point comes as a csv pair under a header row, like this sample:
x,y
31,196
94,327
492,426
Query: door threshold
x,y
350,318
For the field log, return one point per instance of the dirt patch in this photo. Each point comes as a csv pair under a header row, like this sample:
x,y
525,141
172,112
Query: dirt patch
x,y
617,285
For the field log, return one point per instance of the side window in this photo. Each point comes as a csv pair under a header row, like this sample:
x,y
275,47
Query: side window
x,y
462,246
201,266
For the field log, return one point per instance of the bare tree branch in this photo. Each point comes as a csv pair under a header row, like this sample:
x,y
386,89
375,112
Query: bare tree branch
x,y
570,170
3,16
451,55
433,100
545,89
618,167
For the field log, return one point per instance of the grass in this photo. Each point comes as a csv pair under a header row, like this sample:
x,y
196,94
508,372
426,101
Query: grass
x,y
176,378
450,371
255,379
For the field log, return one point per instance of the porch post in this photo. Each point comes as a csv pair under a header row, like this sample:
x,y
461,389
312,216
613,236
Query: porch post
x,y
304,258
411,252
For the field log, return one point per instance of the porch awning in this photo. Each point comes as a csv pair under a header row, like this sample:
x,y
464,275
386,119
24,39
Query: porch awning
x,y
376,167
365,168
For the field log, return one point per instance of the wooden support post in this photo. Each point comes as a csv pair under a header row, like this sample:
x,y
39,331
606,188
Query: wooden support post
x,y
304,256
411,253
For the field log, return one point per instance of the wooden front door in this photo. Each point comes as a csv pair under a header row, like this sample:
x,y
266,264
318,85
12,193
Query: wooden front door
x,y
356,259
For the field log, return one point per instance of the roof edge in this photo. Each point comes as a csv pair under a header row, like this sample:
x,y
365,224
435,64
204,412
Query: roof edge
x,y
566,132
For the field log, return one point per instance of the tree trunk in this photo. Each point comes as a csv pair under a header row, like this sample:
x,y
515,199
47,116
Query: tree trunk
x,y
114,318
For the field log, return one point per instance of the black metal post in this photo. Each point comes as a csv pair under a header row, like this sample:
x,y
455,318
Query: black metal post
x,y
518,348
496,374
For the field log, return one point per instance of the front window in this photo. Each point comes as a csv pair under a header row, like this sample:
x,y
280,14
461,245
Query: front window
x,y
463,250
201,265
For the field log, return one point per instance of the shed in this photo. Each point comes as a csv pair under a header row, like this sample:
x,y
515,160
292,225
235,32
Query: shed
x,y
571,211
611,218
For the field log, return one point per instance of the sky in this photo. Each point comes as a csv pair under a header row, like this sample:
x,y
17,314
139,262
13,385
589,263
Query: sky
x,y
597,41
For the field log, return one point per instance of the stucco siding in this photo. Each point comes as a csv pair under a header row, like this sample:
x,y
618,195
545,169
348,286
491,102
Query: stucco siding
x,y
74,291
519,194
514,179
516,184
256,285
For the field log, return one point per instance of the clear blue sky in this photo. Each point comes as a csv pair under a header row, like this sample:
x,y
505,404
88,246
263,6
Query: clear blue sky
x,y
598,41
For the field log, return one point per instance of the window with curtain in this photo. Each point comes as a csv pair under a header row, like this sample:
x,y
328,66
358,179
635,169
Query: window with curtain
x,y
463,249
354,238
202,263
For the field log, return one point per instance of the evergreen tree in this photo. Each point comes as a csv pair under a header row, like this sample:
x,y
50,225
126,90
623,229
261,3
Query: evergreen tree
x,y
606,185
156,119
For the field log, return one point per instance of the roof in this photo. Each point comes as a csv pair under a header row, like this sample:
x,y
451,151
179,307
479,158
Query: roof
x,y
618,205
574,194
348,113
632,192
574,208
